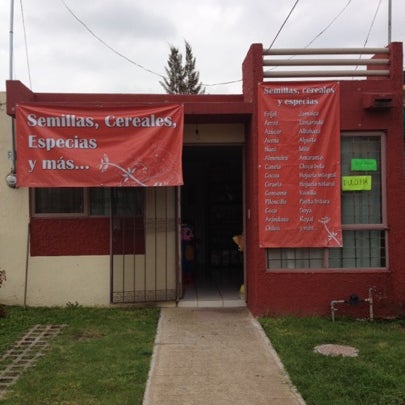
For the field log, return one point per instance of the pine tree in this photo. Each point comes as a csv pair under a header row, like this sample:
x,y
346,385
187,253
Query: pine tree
x,y
173,83
192,77
181,79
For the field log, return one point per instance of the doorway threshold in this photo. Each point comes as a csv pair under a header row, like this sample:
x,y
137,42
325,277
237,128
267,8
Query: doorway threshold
x,y
210,296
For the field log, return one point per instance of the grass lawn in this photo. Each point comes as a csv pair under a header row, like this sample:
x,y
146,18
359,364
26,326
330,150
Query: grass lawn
x,y
101,357
376,376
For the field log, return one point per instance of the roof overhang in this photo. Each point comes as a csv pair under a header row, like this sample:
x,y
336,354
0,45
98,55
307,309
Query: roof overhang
x,y
201,108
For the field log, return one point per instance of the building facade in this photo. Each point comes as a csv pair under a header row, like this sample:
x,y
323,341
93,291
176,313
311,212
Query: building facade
x,y
107,245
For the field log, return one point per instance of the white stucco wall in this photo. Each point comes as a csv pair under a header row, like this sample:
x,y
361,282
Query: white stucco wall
x,y
59,280
14,217
49,281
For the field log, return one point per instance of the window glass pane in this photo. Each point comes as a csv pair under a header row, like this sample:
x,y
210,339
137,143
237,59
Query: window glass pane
x,y
360,249
99,201
128,201
59,200
362,207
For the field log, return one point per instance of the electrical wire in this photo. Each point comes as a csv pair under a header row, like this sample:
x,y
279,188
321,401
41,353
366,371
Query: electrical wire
x,y
274,40
282,25
92,33
221,84
322,31
212,84
372,23
122,55
306,46
328,25
371,27
26,44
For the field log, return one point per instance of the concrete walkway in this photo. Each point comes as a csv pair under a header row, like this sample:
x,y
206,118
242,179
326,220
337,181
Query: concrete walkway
x,y
215,356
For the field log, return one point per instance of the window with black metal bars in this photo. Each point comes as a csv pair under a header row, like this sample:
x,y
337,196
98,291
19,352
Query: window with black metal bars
x,y
363,224
93,201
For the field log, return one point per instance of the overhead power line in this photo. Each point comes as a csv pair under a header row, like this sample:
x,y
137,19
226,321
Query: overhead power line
x,y
222,84
87,28
282,25
205,84
278,33
306,46
372,23
92,33
26,44
323,30
328,25
371,27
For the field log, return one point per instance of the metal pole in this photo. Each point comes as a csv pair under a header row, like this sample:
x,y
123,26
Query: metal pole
x,y
389,20
111,197
11,51
27,257
11,38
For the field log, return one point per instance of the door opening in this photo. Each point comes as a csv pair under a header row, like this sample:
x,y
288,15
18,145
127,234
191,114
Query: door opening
x,y
212,209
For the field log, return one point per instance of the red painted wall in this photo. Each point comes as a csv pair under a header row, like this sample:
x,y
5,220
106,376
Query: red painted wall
x,y
84,236
310,292
69,236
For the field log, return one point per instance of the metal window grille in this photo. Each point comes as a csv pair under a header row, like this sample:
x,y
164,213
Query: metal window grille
x,y
363,217
59,200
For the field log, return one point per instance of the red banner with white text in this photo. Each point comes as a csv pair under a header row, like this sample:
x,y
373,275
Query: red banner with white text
x,y
299,164
63,146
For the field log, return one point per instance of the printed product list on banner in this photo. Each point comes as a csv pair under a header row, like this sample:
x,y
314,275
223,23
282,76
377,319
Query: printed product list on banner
x,y
299,167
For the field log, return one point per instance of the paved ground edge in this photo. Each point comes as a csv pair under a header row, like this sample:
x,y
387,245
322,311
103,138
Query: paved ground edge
x,y
146,396
273,352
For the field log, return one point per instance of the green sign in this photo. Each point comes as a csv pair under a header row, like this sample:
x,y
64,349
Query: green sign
x,y
356,183
369,165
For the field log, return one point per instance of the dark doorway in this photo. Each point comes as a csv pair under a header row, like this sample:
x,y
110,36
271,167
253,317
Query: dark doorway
x,y
212,205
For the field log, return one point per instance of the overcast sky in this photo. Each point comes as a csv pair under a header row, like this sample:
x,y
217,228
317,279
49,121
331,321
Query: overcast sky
x,y
63,56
